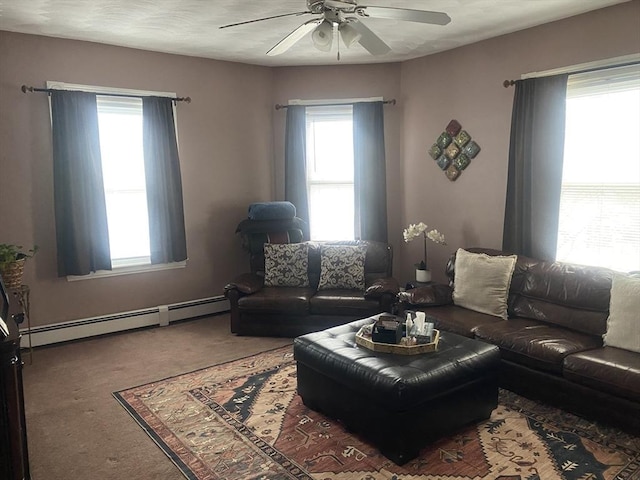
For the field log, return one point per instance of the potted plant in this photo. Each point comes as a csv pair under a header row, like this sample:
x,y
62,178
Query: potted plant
x,y
12,259
413,231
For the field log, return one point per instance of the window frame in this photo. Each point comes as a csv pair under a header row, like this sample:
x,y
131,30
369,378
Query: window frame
x,y
597,82
330,103
118,268
313,115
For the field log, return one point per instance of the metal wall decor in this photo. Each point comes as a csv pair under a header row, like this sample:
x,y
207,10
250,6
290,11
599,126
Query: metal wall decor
x,y
454,150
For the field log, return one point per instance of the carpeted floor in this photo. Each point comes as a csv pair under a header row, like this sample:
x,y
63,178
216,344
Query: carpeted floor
x,y
76,430
243,420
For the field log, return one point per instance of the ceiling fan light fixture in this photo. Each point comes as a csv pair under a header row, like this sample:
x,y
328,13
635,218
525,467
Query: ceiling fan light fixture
x,y
349,34
322,36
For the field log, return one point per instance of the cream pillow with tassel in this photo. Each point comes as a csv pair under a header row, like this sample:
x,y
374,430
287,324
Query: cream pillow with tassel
x,y
482,282
623,324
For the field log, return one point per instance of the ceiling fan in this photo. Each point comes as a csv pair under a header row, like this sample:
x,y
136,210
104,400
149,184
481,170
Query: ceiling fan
x,y
344,15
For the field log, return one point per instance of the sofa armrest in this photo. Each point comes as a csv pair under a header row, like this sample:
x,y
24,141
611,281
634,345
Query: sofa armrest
x,y
429,295
382,286
246,283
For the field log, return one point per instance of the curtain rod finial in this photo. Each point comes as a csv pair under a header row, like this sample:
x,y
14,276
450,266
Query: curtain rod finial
x,y
508,83
26,89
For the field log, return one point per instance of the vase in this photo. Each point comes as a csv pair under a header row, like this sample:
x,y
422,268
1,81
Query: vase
x,y
423,276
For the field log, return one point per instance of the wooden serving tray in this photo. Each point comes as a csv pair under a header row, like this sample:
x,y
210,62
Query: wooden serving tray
x,y
365,341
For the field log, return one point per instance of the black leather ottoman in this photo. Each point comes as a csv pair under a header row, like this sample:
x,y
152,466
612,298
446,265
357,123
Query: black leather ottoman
x,y
398,402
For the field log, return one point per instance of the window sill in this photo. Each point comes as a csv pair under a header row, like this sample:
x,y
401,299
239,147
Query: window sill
x,y
127,271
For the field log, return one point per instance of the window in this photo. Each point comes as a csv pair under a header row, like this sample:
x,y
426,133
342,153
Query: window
x,y
330,172
133,208
600,198
120,124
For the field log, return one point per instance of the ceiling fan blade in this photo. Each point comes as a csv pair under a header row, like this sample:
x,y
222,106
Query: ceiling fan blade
x,y
339,4
265,18
369,40
406,14
287,42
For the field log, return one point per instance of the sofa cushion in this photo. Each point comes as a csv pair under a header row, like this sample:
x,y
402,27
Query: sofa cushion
x,y
535,344
286,265
292,300
571,296
342,302
609,369
482,282
380,287
427,295
457,320
246,283
623,324
342,267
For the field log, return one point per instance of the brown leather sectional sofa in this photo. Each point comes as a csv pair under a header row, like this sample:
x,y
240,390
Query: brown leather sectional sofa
x,y
293,311
551,344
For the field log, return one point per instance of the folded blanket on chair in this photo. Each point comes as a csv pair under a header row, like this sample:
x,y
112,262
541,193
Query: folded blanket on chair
x,y
247,226
272,211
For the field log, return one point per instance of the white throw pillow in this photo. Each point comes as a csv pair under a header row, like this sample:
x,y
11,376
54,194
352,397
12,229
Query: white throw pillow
x,y
482,282
623,324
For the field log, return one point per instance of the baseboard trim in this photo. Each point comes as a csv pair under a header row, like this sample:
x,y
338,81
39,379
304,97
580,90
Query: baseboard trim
x,y
90,327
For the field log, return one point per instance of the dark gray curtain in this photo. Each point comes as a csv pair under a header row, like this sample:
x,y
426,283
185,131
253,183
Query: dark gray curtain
x,y
164,182
82,233
295,163
535,167
370,178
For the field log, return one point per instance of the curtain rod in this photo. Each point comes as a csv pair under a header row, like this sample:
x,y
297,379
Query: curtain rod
x,y
510,83
48,91
280,107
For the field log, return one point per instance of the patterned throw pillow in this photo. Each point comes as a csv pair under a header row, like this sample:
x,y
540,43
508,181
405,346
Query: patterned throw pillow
x,y
342,266
285,265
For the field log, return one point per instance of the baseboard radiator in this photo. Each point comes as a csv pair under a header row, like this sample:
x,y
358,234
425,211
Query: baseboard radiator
x,y
88,327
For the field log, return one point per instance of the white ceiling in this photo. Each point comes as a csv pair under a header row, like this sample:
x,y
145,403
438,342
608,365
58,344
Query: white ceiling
x,y
190,27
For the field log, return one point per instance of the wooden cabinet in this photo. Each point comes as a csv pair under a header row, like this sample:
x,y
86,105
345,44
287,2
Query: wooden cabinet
x,y
14,458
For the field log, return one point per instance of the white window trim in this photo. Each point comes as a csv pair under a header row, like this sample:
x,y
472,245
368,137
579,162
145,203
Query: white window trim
x,y
53,84
328,110
97,89
131,268
596,65
128,270
346,101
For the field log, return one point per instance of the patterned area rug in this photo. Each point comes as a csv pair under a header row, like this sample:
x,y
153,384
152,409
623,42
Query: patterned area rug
x,y
243,420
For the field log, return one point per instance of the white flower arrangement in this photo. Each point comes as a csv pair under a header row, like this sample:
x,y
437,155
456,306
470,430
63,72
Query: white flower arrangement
x,y
414,231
